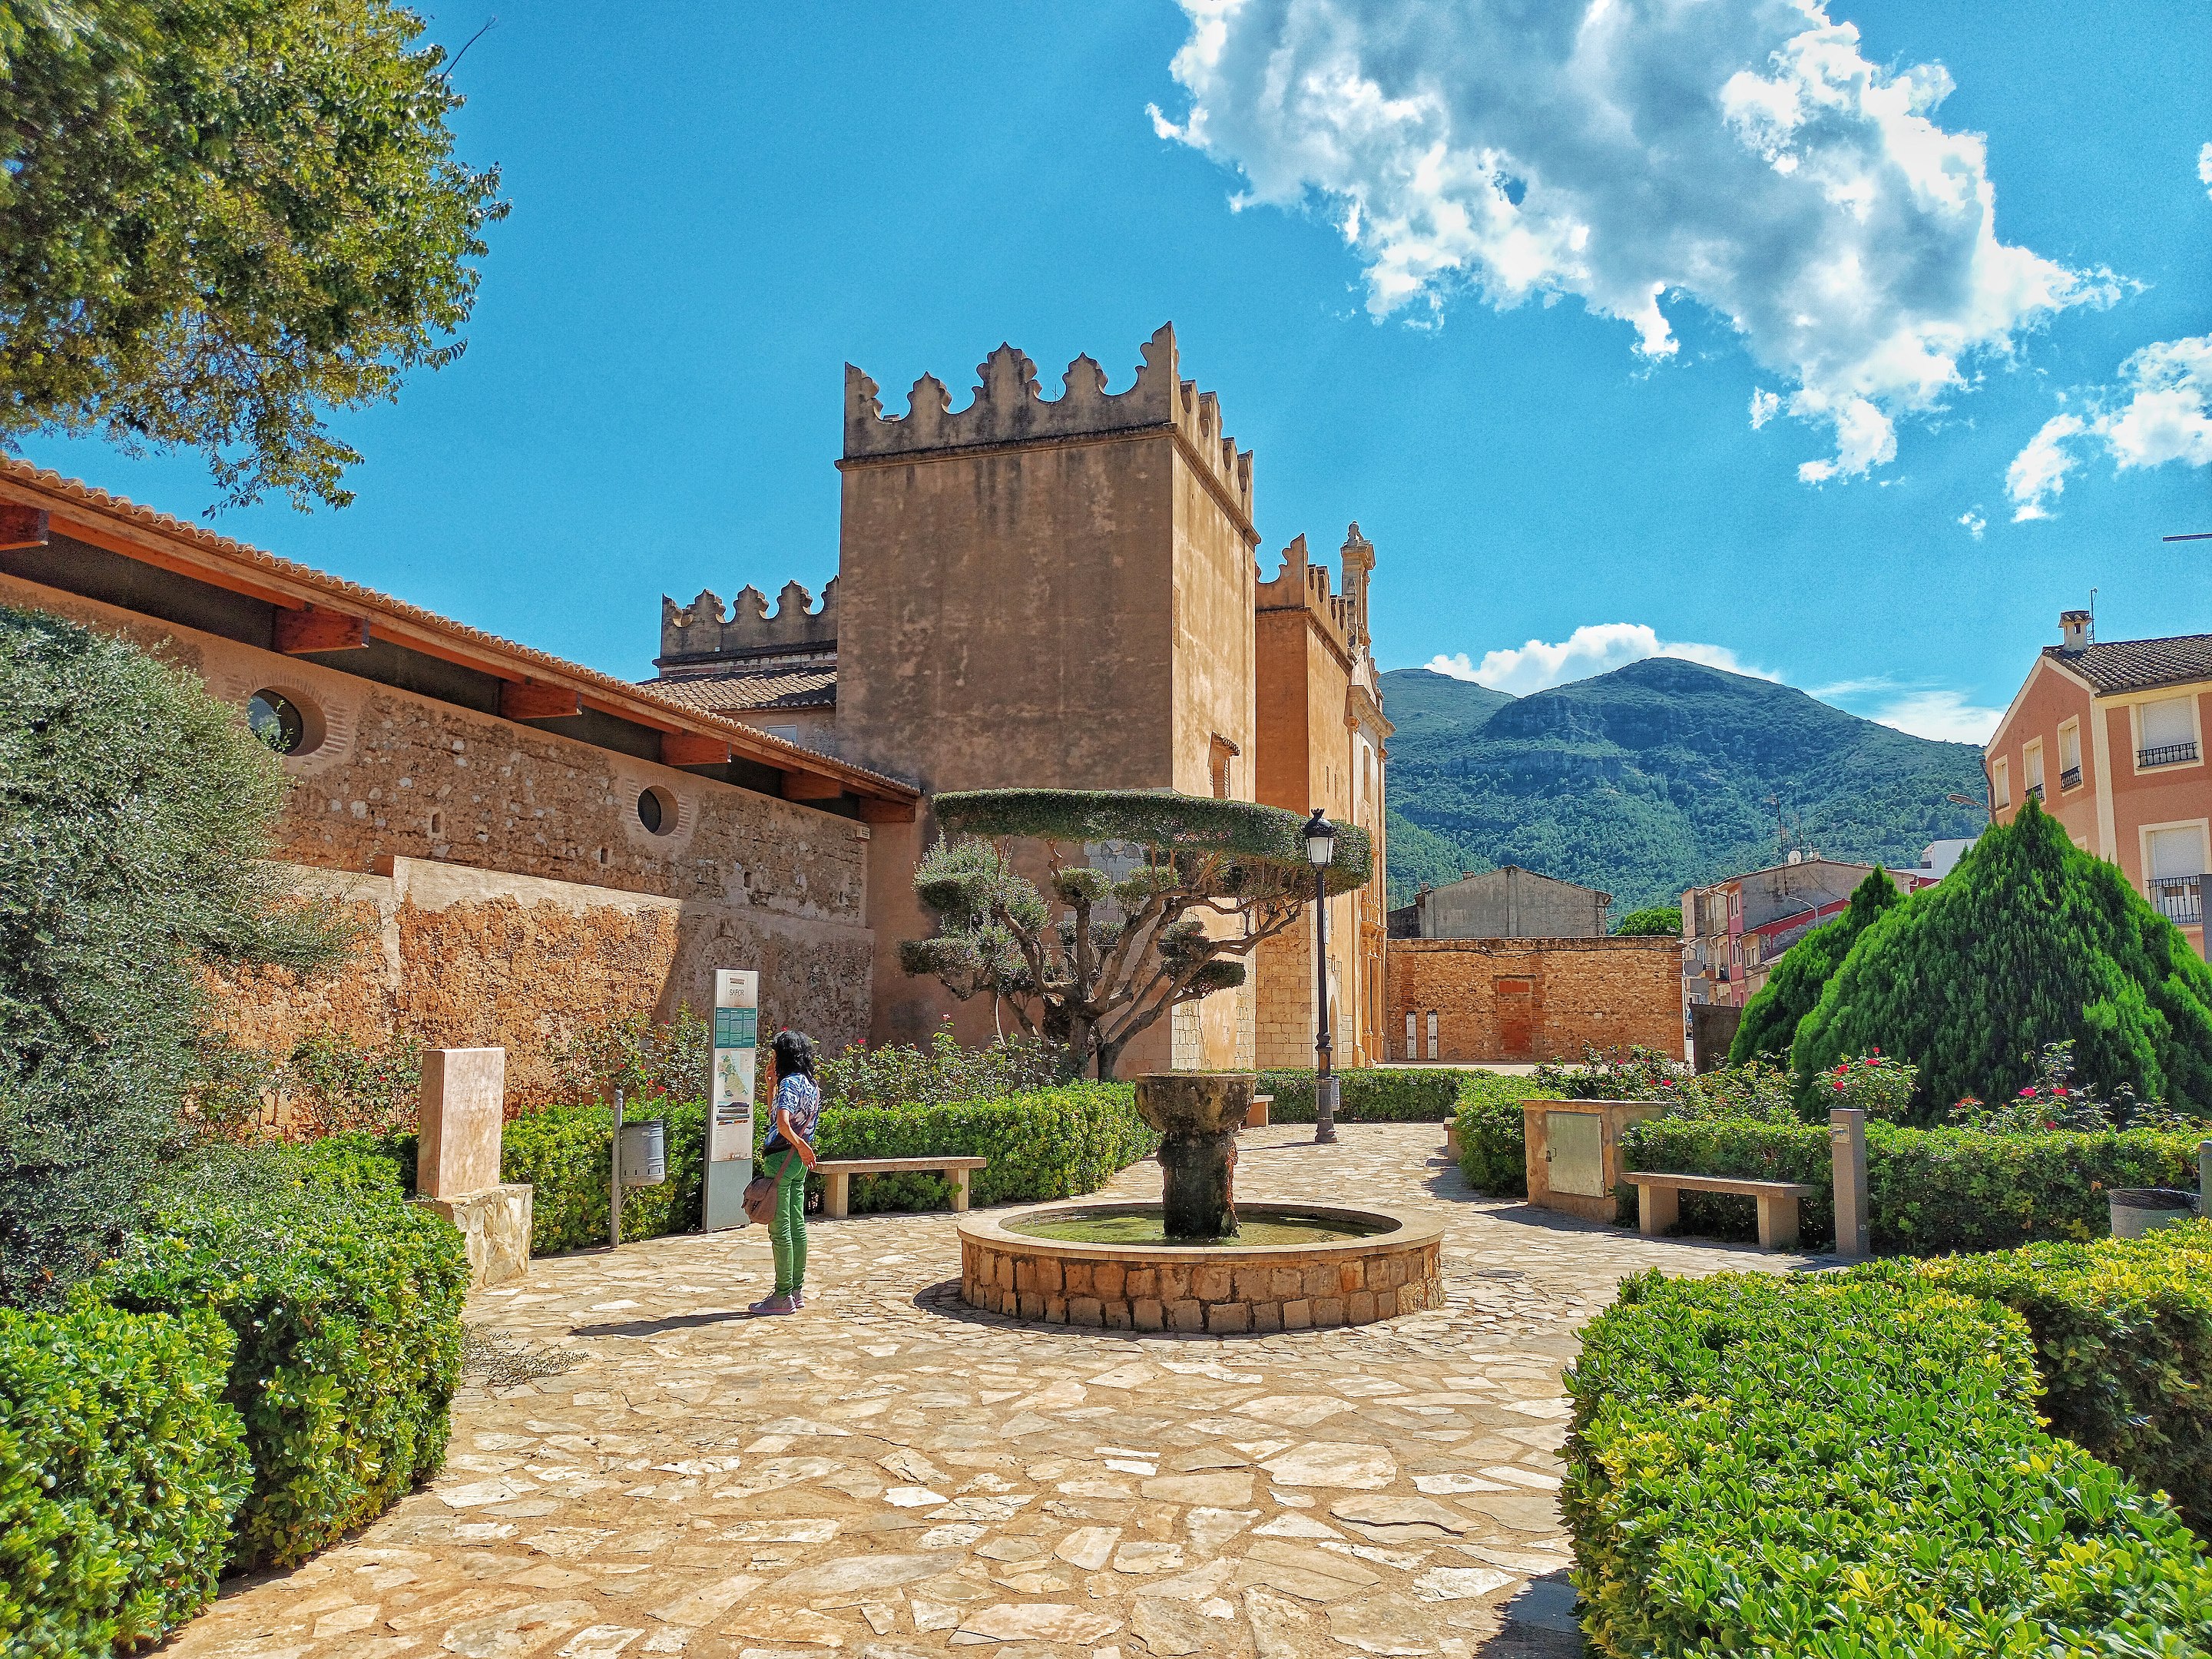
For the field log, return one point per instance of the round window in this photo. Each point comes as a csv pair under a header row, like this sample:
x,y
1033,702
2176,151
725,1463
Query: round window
x,y
656,810
276,720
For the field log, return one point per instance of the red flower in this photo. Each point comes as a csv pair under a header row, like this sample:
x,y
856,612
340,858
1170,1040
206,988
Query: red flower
x,y
1877,1051
2027,1094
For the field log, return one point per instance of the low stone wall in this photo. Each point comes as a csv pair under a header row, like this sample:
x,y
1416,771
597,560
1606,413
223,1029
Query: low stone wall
x,y
1229,1291
1516,999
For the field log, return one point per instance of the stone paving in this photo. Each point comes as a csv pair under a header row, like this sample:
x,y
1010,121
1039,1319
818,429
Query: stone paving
x,y
890,1473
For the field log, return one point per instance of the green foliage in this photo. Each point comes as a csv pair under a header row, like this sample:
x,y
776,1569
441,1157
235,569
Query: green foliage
x,y
2028,941
645,1058
1045,1144
2055,1101
1873,1084
2122,1333
1928,1191
1794,985
1087,961
120,1466
1370,1094
345,1302
335,1085
225,218
1763,1466
1655,778
135,812
1633,1073
897,1075
565,1152
1654,922
1493,1144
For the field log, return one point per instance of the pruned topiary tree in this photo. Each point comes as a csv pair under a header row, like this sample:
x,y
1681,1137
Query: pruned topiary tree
x,y
2029,941
1089,959
1793,987
135,812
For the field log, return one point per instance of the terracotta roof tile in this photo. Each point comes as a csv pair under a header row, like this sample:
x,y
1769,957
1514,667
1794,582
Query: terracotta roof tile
x,y
2138,664
782,688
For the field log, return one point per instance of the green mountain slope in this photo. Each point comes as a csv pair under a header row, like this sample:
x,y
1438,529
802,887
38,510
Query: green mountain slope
x,y
1653,778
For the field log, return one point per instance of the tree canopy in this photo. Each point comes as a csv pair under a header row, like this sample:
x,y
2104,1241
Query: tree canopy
x,y
1654,922
134,818
1795,983
1089,957
221,219
2029,941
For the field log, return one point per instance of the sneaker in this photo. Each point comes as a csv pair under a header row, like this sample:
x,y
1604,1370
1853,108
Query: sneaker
x,y
780,1303
798,1298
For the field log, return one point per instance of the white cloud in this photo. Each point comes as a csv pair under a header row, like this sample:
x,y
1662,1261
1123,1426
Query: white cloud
x,y
2205,168
1943,714
1741,153
1593,648
2161,411
1975,521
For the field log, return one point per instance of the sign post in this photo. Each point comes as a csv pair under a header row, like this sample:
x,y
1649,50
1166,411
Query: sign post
x,y
1847,1151
730,1112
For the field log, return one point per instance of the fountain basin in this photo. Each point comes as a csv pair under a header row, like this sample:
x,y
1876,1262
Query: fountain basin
x,y
1389,1265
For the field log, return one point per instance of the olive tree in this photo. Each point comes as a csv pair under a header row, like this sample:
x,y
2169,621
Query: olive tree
x,y
1086,956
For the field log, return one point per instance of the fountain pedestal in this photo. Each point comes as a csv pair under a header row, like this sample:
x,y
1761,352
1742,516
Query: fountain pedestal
x,y
1196,1116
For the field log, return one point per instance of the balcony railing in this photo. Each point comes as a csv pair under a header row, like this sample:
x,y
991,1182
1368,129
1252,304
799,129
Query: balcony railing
x,y
2180,898
2035,791
2070,778
2171,754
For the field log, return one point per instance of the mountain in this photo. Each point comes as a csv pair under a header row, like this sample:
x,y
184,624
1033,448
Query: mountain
x,y
1654,778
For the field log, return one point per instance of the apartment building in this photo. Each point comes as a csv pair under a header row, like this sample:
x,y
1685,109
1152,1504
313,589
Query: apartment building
x,y
1734,931
2110,738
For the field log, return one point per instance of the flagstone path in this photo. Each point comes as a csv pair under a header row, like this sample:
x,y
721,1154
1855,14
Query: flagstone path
x,y
890,1474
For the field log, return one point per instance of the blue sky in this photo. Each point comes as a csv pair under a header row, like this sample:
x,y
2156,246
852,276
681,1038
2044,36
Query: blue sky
x,y
715,207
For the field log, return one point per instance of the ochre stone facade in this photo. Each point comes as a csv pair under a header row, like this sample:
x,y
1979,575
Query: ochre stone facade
x,y
1534,1000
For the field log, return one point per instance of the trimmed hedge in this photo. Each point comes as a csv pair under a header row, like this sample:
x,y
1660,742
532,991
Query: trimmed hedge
x,y
1493,1144
2122,1333
120,1466
1928,1191
1378,1094
1846,1468
345,1302
1046,1143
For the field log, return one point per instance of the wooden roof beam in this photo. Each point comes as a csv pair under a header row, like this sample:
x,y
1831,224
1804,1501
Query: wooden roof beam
x,y
313,629
527,700
691,748
811,785
22,526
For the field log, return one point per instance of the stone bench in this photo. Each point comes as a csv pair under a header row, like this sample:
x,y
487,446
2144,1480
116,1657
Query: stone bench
x,y
837,1175
1659,1202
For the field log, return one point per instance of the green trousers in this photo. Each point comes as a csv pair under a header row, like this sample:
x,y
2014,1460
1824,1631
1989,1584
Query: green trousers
x,y
786,1232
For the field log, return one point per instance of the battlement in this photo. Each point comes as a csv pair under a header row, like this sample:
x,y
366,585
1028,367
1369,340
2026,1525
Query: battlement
x,y
1008,408
1302,585
700,631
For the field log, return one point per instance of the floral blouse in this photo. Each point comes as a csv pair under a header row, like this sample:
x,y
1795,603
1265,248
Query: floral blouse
x,y
798,1098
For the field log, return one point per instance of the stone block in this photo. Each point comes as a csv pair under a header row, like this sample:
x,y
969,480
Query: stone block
x,y
1108,1280
463,1104
1284,1283
1140,1284
1327,1310
1117,1317
495,1229
1075,1278
1266,1315
1086,1310
1391,1269
1229,1316
1211,1282
1175,1284
1148,1314
1028,1304
1320,1280
1055,1310
1187,1315
1412,1297
1297,1315
1359,1308
1351,1276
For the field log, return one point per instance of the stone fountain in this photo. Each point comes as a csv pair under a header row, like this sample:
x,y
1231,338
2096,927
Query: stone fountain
x,y
1193,1262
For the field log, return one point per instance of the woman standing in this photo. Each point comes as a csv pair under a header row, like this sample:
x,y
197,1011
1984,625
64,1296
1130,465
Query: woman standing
x,y
787,1156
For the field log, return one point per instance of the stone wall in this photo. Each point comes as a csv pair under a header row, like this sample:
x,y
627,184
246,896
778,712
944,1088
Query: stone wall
x,y
1524,999
472,958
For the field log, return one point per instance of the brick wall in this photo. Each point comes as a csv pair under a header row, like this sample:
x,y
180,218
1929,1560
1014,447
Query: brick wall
x,y
1521,999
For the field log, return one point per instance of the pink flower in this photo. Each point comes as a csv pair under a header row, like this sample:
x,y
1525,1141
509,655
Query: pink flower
x,y
2027,1094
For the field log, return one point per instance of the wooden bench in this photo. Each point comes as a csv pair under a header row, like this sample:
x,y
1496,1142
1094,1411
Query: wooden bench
x,y
1256,1118
1659,1202
837,1175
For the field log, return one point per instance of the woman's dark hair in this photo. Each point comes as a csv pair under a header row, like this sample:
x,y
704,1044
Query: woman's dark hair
x,y
794,1052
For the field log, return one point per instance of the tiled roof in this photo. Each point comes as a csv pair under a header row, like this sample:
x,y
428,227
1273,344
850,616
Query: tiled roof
x,y
53,488
781,688
2138,664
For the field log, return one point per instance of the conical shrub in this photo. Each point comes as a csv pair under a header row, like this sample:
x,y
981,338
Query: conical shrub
x,y
1793,988
2029,941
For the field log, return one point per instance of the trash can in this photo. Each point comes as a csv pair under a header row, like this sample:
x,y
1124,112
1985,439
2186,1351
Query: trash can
x,y
2137,1210
645,1153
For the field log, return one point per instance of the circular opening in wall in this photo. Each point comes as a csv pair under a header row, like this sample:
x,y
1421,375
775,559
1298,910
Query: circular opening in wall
x,y
656,810
287,726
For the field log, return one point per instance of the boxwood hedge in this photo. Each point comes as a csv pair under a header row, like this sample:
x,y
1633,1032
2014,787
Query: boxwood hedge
x,y
1851,1467
120,1466
1394,1094
2122,1333
345,1304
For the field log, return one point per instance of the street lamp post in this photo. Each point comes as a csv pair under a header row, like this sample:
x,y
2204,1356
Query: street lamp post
x,y
1321,851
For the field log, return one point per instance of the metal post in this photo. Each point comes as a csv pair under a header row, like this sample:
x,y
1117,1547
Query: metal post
x,y
614,1184
1847,1151
1324,1081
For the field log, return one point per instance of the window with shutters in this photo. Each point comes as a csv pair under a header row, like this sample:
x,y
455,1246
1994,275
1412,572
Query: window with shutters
x,y
2173,871
2069,755
2165,732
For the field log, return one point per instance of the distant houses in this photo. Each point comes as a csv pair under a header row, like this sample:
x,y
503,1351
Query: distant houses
x,y
1505,904
1734,931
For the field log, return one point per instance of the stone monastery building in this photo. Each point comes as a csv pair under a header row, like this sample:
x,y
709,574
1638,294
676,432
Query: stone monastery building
x,y
1053,593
